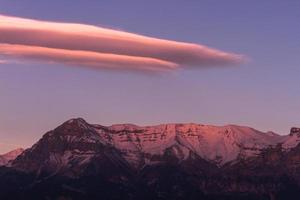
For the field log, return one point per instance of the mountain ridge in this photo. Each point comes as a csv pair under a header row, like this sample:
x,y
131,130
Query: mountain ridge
x,y
79,160
223,143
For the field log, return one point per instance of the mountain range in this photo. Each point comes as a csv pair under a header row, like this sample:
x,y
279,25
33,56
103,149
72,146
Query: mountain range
x,y
78,160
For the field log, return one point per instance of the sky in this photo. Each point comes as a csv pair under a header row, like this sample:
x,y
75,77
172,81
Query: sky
x,y
262,92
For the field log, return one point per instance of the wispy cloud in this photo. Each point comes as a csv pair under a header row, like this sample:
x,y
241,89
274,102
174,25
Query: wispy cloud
x,y
91,46
3,61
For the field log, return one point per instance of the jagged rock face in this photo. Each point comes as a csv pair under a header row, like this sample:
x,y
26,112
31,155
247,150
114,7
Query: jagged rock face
x,y
171,161
216,144
76,143
69,150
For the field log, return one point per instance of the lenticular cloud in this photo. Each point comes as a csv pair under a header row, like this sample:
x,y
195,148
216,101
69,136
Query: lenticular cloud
x,y
101,48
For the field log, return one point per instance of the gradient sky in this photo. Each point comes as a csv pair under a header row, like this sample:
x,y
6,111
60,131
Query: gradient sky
x,y
263,93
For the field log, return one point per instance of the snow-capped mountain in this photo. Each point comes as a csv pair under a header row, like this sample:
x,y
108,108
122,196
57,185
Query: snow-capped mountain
x,y
5,159
168,161
76,143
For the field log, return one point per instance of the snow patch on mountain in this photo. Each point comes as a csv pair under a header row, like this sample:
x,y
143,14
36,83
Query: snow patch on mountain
x,y
76,142
213,143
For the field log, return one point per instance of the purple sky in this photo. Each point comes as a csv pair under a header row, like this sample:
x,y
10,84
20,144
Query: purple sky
x,y
263,93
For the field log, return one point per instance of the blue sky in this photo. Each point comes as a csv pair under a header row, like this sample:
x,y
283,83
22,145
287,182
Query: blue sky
x,y
263,93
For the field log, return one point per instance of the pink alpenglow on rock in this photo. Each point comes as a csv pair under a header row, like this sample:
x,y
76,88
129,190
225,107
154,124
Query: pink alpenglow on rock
x,y
6,158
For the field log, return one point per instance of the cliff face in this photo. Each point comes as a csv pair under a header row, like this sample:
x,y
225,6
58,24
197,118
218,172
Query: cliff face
x,y
78,142
170,161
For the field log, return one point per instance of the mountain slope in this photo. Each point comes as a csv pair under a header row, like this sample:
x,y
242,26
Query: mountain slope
x,y
10,156
78,160
76,143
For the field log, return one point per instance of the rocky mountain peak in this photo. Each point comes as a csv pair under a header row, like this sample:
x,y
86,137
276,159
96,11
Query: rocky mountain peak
x,y
76,127
138,156
75,122
76,141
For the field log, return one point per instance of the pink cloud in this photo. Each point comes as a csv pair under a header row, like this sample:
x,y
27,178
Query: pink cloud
x,y
85,58
88,40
